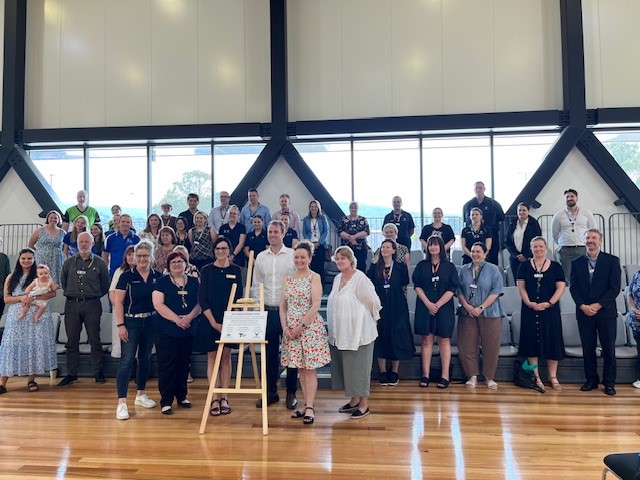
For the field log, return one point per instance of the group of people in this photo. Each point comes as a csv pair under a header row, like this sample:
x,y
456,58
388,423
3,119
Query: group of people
x,y
171,282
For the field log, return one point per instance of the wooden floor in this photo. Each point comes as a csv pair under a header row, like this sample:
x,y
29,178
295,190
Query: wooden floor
x,y
412,433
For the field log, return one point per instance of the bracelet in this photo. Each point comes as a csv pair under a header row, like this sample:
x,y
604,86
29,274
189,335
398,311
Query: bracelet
x,y
120,325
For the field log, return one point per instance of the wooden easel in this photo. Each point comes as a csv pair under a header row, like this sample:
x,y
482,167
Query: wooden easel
x,y
245,303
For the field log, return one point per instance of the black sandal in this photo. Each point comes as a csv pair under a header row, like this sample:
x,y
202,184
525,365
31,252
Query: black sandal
x,y
298,414
214,411
224,409
307,419
424,382
32,386
443,383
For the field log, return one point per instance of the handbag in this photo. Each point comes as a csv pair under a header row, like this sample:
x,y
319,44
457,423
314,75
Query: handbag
x,y
524,378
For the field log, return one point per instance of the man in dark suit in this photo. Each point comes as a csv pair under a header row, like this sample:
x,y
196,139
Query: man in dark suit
x,y
595,284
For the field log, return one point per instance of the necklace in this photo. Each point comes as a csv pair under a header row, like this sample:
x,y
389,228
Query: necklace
x,y
182,290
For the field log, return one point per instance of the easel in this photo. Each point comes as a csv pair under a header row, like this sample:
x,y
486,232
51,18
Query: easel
x,y
246,303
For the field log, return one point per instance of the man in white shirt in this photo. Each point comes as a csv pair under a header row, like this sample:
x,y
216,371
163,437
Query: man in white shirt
x,y
568,228
218,216
271,267
285,209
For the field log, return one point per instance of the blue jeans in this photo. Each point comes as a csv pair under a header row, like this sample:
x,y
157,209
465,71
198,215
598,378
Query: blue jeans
x,y
140,341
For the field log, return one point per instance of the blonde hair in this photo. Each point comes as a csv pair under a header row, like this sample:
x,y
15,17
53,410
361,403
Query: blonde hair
x,y
346,251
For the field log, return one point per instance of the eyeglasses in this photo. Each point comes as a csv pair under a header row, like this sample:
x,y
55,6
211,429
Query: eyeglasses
x,y
176,262
142,256
221,249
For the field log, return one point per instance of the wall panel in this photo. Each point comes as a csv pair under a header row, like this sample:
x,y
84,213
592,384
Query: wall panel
x,y
82,63
315,59
257,59
416,57
366,58
1,54
128,62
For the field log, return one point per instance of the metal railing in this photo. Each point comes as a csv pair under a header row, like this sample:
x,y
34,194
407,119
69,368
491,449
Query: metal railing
x,y
16,236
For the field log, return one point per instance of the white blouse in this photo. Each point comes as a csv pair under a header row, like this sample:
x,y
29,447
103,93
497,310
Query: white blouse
x,y
352,312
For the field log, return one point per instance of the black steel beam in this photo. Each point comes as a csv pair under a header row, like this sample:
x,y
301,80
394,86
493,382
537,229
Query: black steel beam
x,y
313,184
279,94
33,180
268,156
422,123
573,77
617,115
610,171
555,156
149,132
15,32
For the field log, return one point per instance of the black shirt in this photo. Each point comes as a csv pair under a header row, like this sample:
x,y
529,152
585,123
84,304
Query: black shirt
x,y
137,298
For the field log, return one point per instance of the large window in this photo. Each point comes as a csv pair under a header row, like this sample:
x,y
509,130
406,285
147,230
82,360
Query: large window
x,y
230,164
177,171
118,176
515,159
63,170
624,146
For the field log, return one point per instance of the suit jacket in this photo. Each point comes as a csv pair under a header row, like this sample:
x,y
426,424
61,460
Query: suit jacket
x,y
531,231
602,289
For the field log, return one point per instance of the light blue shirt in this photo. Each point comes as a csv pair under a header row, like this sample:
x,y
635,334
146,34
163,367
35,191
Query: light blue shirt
x,y
489,282
246,216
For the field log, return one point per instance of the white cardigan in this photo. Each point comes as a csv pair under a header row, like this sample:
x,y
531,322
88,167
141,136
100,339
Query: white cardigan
x,y
352,312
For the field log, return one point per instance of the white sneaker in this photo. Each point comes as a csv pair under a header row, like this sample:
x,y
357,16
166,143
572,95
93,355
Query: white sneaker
x,y
636,384
144,401
122,412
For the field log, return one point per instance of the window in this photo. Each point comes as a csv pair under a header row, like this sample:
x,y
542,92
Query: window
x,y
177,171
230,164
624,146
63,170
118,176
331,162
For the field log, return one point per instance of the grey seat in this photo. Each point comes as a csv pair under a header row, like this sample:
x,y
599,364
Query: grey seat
x,y
571,335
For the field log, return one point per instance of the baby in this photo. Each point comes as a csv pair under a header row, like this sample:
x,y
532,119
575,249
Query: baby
x,y
41,285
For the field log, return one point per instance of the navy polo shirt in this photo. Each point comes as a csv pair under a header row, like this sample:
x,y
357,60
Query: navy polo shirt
x,y
115,245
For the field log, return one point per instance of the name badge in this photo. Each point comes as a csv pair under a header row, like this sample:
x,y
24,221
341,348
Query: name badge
x,y
591,270
81,272
435,279
196,242
473,286
387,286
182,292
231,276
538,275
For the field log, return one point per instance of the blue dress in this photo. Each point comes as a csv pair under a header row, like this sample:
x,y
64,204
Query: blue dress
x,y
27,348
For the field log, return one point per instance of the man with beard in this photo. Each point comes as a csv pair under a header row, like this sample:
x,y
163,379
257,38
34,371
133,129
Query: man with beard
x,y
595,284
84,279
568,228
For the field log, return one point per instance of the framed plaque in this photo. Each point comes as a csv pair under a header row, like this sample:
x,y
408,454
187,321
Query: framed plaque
x,y
244,326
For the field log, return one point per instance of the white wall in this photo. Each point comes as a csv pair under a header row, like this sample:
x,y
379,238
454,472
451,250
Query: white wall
x,y
17,204
612,63
282,179
367,58
94,63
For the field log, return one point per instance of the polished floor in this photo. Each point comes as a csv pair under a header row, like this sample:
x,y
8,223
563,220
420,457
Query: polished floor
x,y
411,433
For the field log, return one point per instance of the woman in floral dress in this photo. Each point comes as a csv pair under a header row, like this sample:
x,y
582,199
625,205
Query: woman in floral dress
x,y
47,242
305,345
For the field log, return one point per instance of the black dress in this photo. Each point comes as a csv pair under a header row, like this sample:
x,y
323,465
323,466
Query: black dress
x,y
443,323
395,341
541,332
233,235
472,236
215,288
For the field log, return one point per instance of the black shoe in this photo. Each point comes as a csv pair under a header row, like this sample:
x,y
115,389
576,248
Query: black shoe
x,y
383,379
392,379
291,401
100,378
68,380
359,414
609,390
587,387
185,403
271,399
348,408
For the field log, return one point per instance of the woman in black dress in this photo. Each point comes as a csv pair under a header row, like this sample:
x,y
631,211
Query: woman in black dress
x,y
435,281
519,235
394,341
235,232
215,288
175,298
477,232
440,229
541,284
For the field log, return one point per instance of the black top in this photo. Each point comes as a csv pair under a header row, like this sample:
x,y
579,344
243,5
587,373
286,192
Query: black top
x,y
352,227
404,223
257,243
188,218
492,213
531,231
180,301
445,232
233,235
137,298
289,236
472,236
215,288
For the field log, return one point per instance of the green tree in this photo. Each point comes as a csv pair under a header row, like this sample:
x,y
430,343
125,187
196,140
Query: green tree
x,y
194,181
627,154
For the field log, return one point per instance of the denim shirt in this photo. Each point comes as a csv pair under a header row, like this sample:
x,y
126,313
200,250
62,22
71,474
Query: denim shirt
x,y
489,282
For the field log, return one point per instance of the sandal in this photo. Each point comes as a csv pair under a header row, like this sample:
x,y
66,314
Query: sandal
x,y
297,414
540,385
3,389
32,386
424,382
214,411
443,383
555,384
224,409
472,382
308,419
185,403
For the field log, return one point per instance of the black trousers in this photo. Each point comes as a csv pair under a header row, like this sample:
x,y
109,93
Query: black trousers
x,y
590,329
75,315
274,332
317,262
174,357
